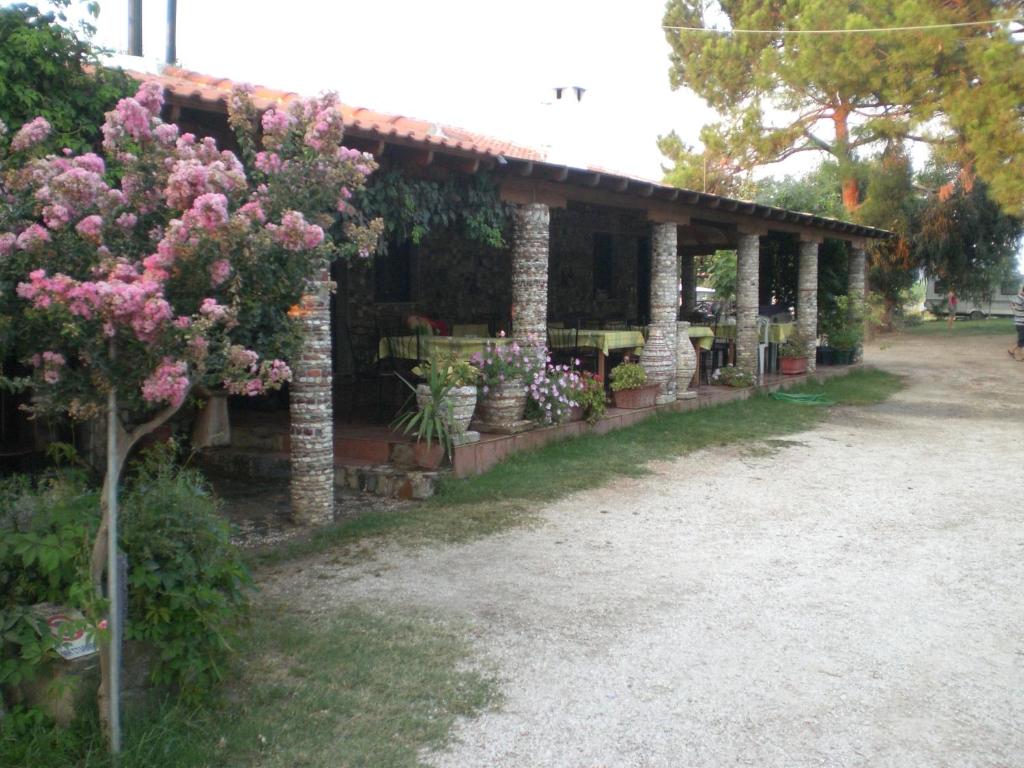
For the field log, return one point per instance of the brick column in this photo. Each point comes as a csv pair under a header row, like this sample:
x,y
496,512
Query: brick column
x,y
530,239
855,283
665,295
747,258
688,274
807,299
311,410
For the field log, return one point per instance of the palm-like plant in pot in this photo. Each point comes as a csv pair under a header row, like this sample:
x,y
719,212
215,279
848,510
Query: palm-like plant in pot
x,y
446,400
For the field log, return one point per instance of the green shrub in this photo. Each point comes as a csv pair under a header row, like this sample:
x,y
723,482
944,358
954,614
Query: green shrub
x,y
187,585
46,534
628,376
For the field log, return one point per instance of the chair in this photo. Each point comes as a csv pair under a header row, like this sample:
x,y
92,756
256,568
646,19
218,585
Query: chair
x,y
361,369
762,347
615,325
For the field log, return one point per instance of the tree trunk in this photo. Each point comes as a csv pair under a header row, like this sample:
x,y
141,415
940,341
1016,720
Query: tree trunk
x,y
851,192
126,441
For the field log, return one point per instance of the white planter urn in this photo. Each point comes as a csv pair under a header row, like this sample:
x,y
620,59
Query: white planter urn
x,y
463,403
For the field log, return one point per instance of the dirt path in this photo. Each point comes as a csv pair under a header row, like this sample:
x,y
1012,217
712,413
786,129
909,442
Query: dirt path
x,y
849,596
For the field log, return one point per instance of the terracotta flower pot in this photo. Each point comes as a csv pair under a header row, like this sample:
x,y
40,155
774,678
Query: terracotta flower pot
x,y
428,457
575,413
503,404
640,397
791,366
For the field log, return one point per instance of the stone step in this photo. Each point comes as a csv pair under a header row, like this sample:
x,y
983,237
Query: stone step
x,y
351,474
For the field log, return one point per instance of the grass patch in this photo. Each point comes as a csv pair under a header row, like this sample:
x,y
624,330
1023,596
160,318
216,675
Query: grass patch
x,y
993,326
353,689
501,498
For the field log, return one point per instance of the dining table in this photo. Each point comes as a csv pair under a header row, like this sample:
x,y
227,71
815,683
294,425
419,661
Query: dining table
x,y
602,340
423,346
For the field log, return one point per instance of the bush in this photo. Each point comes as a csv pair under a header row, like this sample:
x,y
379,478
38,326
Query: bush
x,y
628,376
186,584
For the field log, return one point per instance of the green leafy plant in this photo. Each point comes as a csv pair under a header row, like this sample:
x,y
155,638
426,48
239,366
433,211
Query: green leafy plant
x,y
590,396
794,346
628,376
844,327
187,584
432,420
731,376
45,535
455,371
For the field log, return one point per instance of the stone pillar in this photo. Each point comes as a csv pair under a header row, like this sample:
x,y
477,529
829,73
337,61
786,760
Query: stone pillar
x,y
855,284
311,410
807,299
530,239
688,275
747,265
665,296
855,280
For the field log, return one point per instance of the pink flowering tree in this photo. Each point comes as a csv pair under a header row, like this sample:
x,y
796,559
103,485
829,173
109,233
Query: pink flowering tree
x,y
128,280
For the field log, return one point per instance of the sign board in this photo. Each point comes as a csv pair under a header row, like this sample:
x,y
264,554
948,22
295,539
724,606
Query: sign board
x,y
67,625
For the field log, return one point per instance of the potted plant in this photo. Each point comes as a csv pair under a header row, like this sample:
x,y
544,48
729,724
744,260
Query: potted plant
x,y
731,376
630,387
793,354
461,377
844,331
432,420
588,400
503,391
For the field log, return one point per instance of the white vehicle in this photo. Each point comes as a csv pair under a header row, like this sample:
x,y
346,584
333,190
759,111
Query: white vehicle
x,y
997,306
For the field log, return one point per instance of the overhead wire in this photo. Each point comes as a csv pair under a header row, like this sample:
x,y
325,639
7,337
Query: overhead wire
x,y
866,30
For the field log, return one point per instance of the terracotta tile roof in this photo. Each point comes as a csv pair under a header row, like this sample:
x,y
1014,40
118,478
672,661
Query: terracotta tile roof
x,y
195,86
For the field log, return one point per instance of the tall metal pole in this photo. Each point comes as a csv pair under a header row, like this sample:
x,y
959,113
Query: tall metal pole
x,y
135,27
113,575
172,31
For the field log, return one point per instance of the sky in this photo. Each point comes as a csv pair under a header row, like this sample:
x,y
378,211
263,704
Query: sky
x,y
485,66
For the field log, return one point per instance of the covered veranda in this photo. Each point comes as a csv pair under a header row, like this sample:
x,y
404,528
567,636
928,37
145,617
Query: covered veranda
x,y
585,248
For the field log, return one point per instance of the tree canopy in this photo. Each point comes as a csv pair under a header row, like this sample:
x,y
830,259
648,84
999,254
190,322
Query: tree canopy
x,y
49,69
845,95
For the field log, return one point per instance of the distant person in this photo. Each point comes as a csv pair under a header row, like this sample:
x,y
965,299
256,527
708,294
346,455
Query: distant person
x,y
1017,305
951,300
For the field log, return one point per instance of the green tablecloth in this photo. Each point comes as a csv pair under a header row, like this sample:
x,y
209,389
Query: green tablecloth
x,y
777,332
602,340
463,346
703,335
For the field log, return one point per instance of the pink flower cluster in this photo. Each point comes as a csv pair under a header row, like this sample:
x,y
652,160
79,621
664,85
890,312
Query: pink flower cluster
x,y
30,134
246,375
220,271
33,238
123,298
214,311
209,211
295,233
51,363
169,383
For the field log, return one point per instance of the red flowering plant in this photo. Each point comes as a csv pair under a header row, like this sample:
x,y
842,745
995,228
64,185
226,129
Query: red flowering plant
x,y
131,278
589,395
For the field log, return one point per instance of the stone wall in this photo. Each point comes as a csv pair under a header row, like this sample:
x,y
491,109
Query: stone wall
x,y
571,267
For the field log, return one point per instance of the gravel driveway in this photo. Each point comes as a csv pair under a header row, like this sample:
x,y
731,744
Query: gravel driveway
x,y
849,596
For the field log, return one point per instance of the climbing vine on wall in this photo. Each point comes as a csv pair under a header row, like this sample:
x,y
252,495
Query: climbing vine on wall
x,y
413,208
